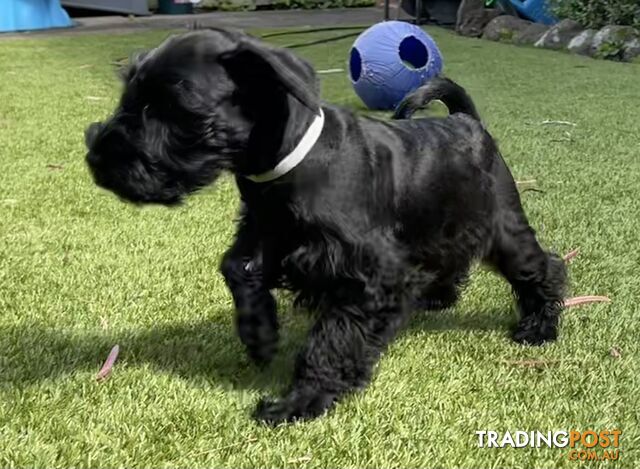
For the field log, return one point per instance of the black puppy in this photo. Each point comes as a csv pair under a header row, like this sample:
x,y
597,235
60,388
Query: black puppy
x,y
365,220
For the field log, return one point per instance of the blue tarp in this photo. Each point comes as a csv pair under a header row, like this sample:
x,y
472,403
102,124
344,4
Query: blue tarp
x,y
130,7
24,15
535,10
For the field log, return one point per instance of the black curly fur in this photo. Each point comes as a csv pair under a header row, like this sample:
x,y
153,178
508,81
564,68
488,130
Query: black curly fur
x,y
380,219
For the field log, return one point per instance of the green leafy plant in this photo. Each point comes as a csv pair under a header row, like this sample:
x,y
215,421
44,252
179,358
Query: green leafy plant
x,y
506,35
611,51
599,13
229,5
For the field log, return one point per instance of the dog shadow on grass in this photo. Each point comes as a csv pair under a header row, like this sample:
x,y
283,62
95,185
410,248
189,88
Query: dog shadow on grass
x,y
206,350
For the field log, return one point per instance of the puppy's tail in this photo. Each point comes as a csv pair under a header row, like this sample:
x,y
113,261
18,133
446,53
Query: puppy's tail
x,y
439,88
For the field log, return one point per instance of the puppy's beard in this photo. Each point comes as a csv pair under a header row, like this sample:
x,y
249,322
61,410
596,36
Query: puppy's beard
x,y
176,201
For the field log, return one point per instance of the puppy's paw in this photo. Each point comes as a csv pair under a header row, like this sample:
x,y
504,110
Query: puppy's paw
x,y
533,330
298,405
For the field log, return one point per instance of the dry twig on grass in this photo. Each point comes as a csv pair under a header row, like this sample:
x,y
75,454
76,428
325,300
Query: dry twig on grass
x,y
106,369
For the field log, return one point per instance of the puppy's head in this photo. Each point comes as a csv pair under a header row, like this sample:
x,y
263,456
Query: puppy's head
x,y
198,104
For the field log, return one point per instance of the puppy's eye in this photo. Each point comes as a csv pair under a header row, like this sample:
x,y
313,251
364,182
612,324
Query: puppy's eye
x,y
157,111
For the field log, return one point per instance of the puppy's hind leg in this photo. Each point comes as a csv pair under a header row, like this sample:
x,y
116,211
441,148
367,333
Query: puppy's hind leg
x,y
538,277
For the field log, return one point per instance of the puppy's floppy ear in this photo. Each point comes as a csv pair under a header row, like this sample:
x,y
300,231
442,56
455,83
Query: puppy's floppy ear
x,y
257,68
128,68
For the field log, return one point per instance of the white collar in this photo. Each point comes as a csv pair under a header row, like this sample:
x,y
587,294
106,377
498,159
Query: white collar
x,y
298,154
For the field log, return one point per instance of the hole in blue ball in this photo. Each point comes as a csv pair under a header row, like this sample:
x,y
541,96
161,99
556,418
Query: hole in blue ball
x,y
355,64
413,52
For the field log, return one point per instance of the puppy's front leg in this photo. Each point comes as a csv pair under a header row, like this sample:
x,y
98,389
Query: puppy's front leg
x,y
256,314
339,357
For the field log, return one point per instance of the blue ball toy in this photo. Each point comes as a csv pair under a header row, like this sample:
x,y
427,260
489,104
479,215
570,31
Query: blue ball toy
x,y
391,59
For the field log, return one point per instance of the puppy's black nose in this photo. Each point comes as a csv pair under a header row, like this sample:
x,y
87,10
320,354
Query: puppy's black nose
x,y
91,133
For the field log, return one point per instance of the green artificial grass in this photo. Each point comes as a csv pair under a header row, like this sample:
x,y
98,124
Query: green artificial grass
x,y
80,271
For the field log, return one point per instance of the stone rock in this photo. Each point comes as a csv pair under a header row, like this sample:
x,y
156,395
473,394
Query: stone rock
x,y
531,34
581,44
467,7
609,42
474,22
472,17
504,28
559,35
631,50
